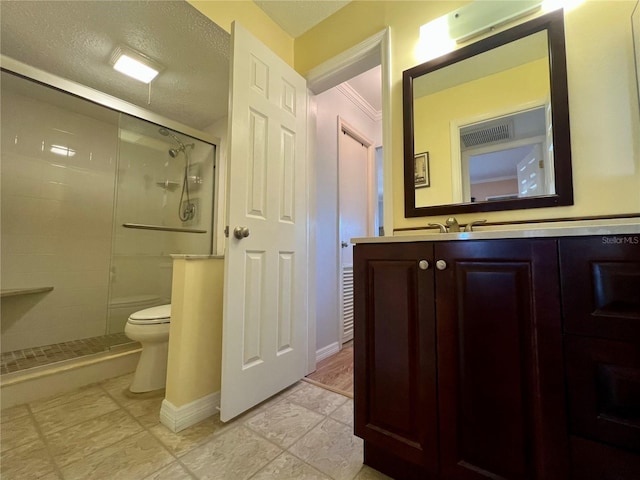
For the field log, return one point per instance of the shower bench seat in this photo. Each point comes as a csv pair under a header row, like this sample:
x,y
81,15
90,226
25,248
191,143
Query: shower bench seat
x,y
13,292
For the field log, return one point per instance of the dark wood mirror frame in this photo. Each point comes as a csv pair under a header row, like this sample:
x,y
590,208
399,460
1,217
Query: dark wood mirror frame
x,y
553,23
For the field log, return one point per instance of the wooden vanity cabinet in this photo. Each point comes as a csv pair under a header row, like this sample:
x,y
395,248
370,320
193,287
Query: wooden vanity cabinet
x,y
458,368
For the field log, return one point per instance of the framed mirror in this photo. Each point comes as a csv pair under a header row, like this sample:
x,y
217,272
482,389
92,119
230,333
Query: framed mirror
x,y
493,120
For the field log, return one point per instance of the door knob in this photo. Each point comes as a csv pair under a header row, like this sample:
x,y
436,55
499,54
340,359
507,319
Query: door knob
x,y
441,264
240,232
423,265
344,244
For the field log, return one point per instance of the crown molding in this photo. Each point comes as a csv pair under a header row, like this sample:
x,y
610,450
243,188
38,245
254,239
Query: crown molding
x,y
357,99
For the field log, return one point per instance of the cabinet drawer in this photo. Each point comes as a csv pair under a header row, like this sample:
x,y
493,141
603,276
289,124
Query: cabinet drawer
x,y
600,282
603,379
595,461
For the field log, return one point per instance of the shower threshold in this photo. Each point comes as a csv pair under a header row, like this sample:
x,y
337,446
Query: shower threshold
x,y
26,358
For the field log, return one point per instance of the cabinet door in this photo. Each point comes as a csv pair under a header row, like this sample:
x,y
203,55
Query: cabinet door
x,y
394,358
501,394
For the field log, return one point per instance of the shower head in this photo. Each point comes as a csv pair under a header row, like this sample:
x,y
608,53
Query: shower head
x,y
181,146
167,133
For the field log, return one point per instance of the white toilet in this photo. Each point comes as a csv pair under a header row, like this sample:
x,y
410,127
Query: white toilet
x,y
150,327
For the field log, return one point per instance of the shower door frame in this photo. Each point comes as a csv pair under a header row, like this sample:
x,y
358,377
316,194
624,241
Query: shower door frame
x,y
31,73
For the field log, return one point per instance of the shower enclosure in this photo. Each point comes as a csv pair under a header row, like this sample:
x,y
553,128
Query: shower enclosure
x,y
94,202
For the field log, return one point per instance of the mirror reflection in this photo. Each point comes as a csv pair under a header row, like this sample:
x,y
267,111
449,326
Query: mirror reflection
x,y
507,157
488,120
492,129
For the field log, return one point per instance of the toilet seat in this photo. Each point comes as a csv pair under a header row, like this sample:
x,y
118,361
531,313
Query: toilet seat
x,y
151,316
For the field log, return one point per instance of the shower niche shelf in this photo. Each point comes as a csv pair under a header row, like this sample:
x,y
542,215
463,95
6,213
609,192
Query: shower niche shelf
x,y
14,292
168,185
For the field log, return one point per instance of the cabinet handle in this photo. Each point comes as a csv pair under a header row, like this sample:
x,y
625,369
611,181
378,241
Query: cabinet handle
x,y
423,265
441,264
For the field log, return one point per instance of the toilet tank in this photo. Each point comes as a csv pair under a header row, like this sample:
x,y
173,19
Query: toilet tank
x,y
121,307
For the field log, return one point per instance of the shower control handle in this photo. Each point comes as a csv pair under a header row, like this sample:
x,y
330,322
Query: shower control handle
x,y
240,232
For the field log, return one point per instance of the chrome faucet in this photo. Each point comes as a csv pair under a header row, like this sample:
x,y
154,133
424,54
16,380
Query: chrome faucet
x,y
452,224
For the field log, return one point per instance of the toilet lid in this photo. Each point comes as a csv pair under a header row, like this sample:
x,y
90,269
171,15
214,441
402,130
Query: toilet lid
x,y
159,314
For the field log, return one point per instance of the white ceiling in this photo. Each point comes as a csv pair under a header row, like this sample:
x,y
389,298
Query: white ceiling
x,y
298,16
369,86
74,40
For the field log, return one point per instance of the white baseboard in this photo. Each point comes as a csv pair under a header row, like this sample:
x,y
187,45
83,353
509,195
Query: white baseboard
x,y
327,351
179,418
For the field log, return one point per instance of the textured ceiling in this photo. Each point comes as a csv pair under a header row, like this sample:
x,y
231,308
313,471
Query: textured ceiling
x,y
297,16
75,40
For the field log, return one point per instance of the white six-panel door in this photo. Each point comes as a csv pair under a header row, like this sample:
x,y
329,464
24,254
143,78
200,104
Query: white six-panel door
x,y
265,300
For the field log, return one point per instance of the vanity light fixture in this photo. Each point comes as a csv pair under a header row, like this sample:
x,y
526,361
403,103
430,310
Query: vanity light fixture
x,y
566,5
434,40
441,35
483,16
135,64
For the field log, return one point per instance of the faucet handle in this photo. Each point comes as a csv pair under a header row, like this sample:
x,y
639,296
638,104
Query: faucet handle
x,y
443,228
469,226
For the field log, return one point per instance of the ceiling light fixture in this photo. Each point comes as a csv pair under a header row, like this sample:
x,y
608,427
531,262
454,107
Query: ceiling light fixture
x,y
135,64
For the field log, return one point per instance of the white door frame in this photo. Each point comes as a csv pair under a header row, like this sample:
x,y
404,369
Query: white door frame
x,y
374,51
457,166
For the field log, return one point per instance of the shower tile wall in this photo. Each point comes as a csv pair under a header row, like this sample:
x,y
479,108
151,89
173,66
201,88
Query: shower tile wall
x,y
57,212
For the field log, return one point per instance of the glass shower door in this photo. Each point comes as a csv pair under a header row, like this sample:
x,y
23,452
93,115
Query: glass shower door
x,y
164,206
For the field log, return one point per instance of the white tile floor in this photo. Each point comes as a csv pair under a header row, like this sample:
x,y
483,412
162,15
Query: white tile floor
x,y
100,432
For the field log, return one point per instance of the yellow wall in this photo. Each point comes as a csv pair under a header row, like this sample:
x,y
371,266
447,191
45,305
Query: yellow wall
x,y
195,341
488,94
604,110
252,18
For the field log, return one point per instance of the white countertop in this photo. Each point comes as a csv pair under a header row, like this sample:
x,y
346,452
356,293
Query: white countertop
x,y
561,229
